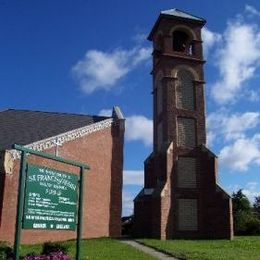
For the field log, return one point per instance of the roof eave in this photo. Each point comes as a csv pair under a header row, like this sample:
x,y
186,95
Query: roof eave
x,y
150,36
47,143
154,27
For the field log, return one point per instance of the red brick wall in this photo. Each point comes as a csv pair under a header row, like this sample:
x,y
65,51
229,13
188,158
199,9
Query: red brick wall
x,y
214,207
157,215
103,152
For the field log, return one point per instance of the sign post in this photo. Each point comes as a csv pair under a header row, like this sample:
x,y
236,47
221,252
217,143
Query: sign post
x,y
52,199
19,210
80,212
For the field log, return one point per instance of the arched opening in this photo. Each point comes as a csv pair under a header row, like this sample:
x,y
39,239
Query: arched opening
x,y
182,42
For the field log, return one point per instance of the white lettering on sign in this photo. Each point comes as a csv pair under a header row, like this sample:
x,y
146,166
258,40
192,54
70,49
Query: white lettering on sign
x,y
49,176
60,226
39,225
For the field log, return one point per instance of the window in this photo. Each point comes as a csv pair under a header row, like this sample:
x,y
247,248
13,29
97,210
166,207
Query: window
x,y
188,214
186,132
185,97
186,172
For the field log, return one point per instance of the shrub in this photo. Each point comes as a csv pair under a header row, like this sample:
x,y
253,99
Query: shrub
x,y
50,247
253,225
5,251
59,255
51,251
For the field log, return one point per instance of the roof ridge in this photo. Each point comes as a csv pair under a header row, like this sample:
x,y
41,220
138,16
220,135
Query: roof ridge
x,y
164,12
50,112
190,14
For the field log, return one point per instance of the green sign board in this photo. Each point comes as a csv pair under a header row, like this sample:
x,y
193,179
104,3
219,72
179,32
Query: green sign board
x,y
51,198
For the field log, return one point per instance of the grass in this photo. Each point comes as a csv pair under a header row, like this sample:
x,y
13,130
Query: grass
x,y
241,248
102,248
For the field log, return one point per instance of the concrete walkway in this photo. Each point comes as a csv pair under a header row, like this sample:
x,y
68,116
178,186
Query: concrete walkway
x,y
148,250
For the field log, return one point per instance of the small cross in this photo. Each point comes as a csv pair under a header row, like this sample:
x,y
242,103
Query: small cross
x,y
57,143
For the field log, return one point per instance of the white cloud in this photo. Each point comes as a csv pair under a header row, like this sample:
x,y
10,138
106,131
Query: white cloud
x,y
105,112
237,60
251,190
128,205
230,127
139,38
251,10
141,55
209,39
252,95
211,136
102,70
241,154
252,185
139,128
133,177
251,194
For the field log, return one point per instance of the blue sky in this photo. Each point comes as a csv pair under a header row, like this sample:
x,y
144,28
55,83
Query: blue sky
x,y
86,56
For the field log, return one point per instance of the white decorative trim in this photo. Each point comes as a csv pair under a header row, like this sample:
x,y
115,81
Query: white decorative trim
x,y
64,137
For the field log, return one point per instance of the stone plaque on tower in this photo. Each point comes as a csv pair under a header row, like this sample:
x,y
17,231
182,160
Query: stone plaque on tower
x,y
181,197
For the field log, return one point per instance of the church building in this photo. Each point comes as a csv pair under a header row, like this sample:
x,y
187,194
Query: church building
x,y
93,140
181,197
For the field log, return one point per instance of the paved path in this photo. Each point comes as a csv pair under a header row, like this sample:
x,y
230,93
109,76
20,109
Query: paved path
x,y
148,250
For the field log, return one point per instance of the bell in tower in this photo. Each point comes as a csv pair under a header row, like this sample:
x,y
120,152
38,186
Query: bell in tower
x,y
181,197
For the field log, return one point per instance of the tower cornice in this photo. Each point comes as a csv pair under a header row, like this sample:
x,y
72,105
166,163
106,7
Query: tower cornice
x,y
182,57
178,15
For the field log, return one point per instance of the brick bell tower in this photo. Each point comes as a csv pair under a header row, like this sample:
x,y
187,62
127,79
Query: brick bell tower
x,y
181,197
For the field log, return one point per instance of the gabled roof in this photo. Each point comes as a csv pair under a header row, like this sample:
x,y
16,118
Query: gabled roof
x,y
176,14
25,127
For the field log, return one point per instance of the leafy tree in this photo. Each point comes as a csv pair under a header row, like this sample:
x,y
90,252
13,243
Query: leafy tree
x,y
240,202
245,221
257,206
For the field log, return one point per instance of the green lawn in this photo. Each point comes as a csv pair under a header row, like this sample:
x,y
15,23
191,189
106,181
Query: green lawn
x,y
103,248
241,248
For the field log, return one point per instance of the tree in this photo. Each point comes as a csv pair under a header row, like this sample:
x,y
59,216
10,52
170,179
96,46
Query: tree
x,y
245,221
240,202
257,206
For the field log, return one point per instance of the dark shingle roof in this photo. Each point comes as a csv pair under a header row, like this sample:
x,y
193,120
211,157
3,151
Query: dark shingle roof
x,y
25,127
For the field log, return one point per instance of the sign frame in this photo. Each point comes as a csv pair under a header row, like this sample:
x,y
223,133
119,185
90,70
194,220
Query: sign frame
x,y
21,194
